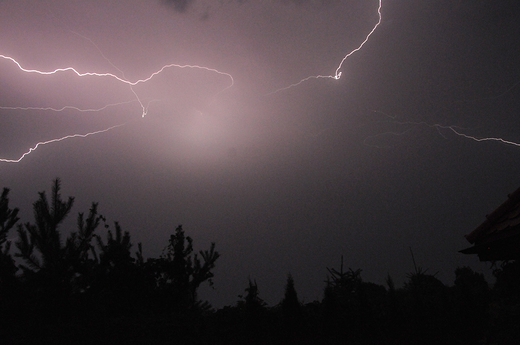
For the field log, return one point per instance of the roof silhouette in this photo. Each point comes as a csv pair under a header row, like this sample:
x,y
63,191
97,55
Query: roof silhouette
x,y
498,237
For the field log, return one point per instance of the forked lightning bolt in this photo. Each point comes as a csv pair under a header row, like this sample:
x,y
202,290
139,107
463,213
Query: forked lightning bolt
x,y
337,73
122,79
108,75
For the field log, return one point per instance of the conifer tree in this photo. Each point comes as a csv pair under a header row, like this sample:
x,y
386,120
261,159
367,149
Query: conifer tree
x,y
252,303
119,286
291,307
179,272
56,268
8,218
290,304
44,235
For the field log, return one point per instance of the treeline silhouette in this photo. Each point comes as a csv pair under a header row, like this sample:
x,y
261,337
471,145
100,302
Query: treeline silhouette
x,y
89,288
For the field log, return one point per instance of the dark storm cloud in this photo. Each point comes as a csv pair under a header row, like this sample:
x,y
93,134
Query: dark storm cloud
x,y
488,14
307,2
289,182
180,6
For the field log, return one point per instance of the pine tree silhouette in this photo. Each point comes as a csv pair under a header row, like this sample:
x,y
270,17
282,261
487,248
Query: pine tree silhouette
x,y
291,307
8,218
120,284
8,288
252,304
44,235
54,271
179,272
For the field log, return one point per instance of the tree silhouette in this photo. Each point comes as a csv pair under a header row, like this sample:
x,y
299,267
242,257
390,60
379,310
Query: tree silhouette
x,y
8,218
291,307
341,291
507,302
116,252
44,235
471,301
428,306
53,270
92,287
344,280
179,272
120,284
252,304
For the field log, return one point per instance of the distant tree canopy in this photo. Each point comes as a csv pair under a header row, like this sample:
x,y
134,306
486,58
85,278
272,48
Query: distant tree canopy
x,y
84,268
89,284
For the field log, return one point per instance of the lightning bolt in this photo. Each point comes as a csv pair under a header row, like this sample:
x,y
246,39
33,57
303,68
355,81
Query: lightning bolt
x,y
144,105
41,143
122,79
143,108
454,129
111,75
337,74
67,107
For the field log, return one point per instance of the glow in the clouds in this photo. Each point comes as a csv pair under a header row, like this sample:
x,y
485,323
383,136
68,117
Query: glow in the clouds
x,y
337,73
123,80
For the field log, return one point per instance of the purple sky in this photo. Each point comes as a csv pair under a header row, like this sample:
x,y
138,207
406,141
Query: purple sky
x,y
282,183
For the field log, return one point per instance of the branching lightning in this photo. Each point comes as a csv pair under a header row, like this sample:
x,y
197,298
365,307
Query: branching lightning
x,y
121,79
111,75
337,74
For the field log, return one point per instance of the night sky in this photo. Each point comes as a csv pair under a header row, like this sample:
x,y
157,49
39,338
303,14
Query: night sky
x,y
366,166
